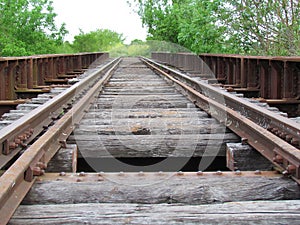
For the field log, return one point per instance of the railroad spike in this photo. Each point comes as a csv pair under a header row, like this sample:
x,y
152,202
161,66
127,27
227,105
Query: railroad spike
x,y
291,169
18,141
244,141
278,159
42,165
37,171
295,142
12,146
63,143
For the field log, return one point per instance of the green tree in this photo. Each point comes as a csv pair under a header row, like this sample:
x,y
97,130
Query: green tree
x,y
27,27
95,41
268,27
264,27
193,24
159,17
200,29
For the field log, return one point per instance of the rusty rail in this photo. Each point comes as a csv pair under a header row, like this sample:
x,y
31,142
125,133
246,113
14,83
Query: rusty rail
x,y
274,79
31,74
246,119
17,180
18,134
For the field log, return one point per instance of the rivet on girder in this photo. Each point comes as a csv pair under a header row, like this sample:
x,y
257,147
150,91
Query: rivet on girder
x,y
37,171
200,173
180,173
278,159
82,174
41,165
62,174
238,172
291,169
141,173
219,172
100,174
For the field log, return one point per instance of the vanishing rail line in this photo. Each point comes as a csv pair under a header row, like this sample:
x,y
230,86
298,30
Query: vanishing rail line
x,y
124,110
253,123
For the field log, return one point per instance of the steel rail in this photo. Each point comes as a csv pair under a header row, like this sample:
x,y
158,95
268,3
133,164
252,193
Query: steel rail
x,y
278,151
283,126
21,132
17,180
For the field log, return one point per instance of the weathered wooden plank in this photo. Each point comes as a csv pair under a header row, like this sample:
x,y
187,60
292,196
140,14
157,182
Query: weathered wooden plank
x,y
261,212
64,160
154,129
244,157
144,103
133,100
160,188
148,122
97,146
136,82
154,97
144,91
146,113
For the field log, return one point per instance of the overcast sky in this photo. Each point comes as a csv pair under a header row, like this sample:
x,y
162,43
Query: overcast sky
x,y
90,15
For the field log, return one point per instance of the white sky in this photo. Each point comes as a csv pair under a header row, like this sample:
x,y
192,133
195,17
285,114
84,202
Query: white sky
x,y
90,15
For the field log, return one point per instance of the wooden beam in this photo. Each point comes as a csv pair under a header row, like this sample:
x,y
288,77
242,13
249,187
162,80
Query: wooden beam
x,y
244,157
156,188
65,160
264,212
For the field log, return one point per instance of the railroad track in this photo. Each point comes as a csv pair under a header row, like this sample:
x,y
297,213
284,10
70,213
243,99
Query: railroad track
x,y
135,131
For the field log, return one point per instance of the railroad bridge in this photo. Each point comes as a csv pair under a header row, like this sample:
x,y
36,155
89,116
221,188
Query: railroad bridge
x,y
171,139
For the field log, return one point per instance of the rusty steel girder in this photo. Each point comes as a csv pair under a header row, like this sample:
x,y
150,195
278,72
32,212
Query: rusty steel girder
x,y
275,80
250,122
18,134
275,77
32,73
17,180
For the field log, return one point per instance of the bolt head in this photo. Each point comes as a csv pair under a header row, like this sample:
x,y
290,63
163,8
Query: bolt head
x,y
219,172
141,173
62,174
238,172
82,174
180,173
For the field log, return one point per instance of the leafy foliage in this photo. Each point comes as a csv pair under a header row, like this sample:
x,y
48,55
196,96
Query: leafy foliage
x,y
190,23
267,27
95,41
27,27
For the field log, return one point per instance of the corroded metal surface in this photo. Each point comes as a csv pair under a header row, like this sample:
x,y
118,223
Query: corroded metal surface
x,y
245,119
34,160
135,111
274,80
20,75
